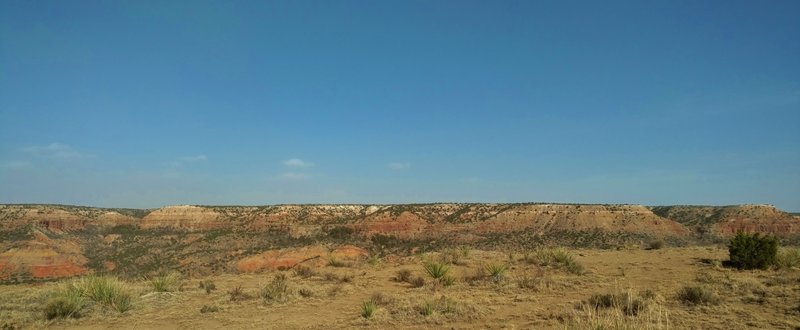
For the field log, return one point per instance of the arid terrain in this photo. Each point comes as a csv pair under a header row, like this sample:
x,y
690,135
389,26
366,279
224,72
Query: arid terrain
x,y
397,266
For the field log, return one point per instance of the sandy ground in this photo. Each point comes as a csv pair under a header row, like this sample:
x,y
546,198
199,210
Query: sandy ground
x,y
749,299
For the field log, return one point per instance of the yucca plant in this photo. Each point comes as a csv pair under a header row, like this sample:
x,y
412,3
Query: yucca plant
x,y
436,270
496,271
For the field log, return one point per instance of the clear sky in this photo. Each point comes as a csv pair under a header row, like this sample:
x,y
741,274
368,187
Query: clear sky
x,y
151,103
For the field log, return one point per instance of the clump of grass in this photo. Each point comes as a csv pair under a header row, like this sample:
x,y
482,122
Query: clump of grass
x,y
417,282
374,261
698,295
605,300
451,256
304,271
788,258
209,309
382,299
331,277
165,283
336,262
276,290
559,258
655,244
465,251
368,309
208,286
436,270
65,303
105,290
347,278
403,275
443,305
588,317
447,280
627,302
305,292
238,294
496,272
427,308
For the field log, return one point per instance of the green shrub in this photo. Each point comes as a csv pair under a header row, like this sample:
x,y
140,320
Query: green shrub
x,y
752,251
698,295
368,309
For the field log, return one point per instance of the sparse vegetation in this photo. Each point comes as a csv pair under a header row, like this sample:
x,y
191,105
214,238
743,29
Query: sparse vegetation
x,y
336,262
787,258
209,309
436,270
304,271
655,244
403,275
427,308
66,302
368,309
208,286
277,290
496,271
698,295
238,294
165,283
752,251
559,258
417,282
105,290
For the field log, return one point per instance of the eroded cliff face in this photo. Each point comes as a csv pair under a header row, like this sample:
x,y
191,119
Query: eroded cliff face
x,y
725,221
60,218
51,241
42,258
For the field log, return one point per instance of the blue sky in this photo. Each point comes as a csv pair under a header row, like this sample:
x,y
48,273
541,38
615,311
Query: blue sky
x,y
151,103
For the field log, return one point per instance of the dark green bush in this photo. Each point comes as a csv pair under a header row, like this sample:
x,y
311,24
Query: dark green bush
x,y
752,251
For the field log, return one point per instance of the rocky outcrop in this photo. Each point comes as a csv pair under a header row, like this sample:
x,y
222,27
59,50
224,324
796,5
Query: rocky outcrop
x,y
42,259
60,218
183,217
725,221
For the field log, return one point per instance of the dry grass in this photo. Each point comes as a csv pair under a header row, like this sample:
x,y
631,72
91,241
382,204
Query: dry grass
x,y
535,295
